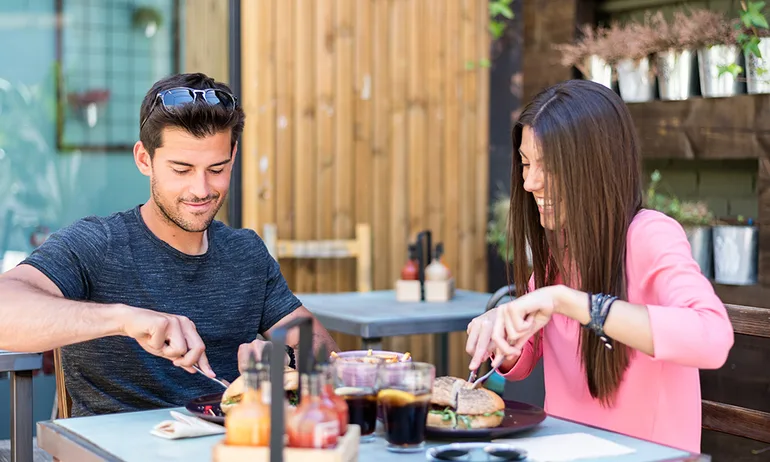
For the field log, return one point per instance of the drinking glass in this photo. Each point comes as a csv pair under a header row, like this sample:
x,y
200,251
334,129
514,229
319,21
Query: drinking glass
x,y
356,383
404,392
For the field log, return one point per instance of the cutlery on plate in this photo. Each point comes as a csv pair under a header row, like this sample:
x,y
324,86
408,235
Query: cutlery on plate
x,y
484,377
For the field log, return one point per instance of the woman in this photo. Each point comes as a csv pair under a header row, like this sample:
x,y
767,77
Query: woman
x,y
628,364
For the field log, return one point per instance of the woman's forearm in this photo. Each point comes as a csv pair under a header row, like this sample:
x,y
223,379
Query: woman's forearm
x,y
628,323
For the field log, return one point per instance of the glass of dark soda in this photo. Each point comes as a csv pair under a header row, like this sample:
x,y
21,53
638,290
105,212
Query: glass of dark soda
x,y
404,392
356,383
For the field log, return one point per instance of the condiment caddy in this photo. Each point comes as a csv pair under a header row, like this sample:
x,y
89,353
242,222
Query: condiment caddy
x,y
313,430
425,277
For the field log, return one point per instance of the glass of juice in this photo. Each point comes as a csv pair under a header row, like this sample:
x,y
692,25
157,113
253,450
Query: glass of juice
x,y
404,391
356,383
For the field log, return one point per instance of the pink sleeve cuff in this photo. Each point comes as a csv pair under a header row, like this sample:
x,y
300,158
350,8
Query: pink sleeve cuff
x,y
673,329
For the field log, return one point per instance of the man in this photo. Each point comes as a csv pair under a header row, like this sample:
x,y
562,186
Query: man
x,y
137,298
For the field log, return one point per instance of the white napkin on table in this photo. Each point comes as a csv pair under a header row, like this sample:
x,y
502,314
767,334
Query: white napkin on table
x,y
567,447
185,426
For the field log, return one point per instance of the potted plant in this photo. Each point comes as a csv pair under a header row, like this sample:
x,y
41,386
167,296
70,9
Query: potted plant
x,y
736,251
632,46
674,58
697,220
147,19
714,37
497,230
694,216
592,55
754,40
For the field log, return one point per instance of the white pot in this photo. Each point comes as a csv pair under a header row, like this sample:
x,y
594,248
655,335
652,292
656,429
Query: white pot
x,y
636,80
735,254
702,247
709,59
758,69
675,74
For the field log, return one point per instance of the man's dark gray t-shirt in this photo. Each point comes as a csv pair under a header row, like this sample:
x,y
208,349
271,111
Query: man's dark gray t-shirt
x,y
232,292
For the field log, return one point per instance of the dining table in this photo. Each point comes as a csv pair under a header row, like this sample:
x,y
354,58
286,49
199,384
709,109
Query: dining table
x,y
378,314
126,437
20,366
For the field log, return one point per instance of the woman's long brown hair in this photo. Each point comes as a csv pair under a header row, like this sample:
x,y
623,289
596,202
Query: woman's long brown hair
x,y
589,151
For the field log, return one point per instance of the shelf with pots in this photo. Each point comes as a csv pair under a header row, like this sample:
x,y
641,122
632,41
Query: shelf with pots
x,y
698,53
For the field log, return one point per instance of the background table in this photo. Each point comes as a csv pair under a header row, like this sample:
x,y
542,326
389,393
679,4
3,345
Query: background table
x,y
374,315
126,438
21,366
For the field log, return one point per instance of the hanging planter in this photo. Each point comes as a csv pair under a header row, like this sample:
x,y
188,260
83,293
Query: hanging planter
x,y
89,105
148,20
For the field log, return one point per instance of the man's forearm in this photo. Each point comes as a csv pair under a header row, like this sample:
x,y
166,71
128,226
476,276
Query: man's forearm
x,y
321,337
34,320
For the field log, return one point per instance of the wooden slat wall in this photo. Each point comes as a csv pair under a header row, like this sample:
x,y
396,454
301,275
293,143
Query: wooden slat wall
x,y
371,111
206,46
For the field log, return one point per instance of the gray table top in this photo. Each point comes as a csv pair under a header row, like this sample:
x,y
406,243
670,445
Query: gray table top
x,y
126,438
12,361
378,314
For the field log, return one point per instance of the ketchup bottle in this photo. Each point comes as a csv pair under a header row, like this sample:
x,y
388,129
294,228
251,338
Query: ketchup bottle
x,y
410,271
315,424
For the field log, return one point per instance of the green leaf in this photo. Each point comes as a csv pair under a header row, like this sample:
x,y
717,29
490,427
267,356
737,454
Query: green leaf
x,y
484,63
753,47
469,65
495,9
506,12
760,21
733,69
496,28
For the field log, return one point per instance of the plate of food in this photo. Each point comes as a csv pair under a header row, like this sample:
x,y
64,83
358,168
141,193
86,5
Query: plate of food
x,y
459,411
215,407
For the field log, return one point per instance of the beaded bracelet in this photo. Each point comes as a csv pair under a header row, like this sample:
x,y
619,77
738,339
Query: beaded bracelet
x,y
600,305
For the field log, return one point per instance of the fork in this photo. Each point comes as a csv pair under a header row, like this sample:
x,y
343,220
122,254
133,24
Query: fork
x,y
484,377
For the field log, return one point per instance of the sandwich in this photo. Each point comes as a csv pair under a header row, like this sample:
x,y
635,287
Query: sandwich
x,y
456,405
234,393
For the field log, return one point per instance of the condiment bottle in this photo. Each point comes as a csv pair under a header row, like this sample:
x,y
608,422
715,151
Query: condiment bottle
x,y
437,271
327,390
410,271
248,423
315,423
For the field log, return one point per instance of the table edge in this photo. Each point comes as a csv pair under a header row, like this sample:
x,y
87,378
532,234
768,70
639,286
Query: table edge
x,y
66,445
690,457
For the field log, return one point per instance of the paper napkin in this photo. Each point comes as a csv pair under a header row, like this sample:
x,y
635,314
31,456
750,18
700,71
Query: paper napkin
x,y
567,447
185,426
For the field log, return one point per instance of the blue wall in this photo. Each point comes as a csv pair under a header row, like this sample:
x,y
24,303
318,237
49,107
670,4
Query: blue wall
x,y
38,184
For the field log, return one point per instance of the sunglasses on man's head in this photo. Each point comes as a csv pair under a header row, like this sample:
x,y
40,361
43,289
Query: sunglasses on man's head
x,y
181,96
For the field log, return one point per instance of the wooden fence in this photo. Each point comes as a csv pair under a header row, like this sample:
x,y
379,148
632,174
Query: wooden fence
x,y
369,111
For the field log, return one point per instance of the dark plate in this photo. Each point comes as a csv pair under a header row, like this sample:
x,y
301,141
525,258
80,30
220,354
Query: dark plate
x,y
518,417
207,408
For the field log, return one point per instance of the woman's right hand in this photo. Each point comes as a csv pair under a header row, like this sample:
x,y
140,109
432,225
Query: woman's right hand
x,y
480,345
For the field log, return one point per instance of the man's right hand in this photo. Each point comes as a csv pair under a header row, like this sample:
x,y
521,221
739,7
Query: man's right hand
x,y
168,336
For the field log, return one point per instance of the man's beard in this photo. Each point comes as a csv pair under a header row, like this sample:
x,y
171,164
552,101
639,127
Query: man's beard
x,y
171,214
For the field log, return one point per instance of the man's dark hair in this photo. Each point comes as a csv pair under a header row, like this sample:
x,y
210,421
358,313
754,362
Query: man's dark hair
x,y
199,119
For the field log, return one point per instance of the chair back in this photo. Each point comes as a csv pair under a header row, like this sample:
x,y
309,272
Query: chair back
x,y
359,248
63,400
737,420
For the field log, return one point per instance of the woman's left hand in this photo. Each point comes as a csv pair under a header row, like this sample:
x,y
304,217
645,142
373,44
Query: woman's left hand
x,y
520,319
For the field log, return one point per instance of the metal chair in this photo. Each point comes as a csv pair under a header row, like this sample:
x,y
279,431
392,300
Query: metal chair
x,y
496,382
